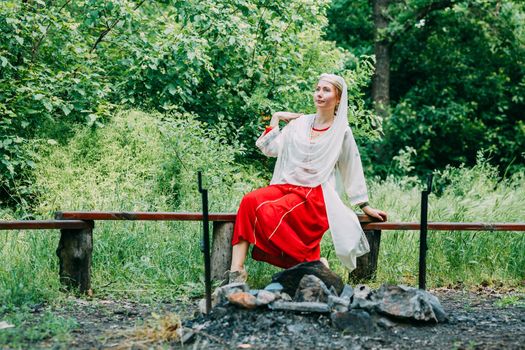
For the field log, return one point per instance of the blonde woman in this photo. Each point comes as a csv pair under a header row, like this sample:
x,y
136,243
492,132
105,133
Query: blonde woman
x,y
317,160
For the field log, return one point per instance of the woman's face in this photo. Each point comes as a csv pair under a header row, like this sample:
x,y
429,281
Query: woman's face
x,y
326,95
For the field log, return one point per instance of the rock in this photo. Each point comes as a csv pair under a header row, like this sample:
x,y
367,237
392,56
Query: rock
x,y
202,305
274,287
295,328
363,298
385,323
301,307
243,299
220,294
265,297
283,296
348,292
338,304
219,312
186,335
312,289
355,321
291,277
408,303
440,313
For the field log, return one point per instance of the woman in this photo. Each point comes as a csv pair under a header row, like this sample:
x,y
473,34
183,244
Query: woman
x,y
317,157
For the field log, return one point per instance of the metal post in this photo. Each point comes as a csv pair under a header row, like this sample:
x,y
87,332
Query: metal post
x,y
423,235
206,243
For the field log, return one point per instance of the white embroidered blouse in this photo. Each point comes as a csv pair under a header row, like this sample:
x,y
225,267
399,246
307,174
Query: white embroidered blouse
x,y
337,167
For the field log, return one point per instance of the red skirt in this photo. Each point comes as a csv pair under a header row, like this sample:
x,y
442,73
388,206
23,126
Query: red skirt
x,y
285,223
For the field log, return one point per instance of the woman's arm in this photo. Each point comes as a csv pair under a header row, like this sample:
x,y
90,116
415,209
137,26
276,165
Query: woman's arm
x,y
270,141
284,116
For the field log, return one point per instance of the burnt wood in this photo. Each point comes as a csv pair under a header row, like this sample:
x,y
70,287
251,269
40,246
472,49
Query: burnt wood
x,y
74,254
367,264
43,224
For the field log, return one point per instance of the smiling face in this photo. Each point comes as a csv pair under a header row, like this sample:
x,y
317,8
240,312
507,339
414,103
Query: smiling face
x,y
326,96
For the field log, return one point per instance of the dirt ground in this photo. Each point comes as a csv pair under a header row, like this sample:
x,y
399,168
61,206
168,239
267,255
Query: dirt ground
x,y
481,319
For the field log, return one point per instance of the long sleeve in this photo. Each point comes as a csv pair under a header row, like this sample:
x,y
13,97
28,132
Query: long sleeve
x,y
270,142
351,170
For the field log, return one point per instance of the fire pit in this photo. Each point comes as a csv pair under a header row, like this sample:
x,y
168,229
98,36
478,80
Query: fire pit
x,y
311,291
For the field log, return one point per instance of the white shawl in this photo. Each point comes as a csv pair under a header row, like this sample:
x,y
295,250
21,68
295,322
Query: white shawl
x,y
331,160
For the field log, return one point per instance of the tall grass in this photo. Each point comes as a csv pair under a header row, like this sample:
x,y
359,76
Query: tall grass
x,y
142,162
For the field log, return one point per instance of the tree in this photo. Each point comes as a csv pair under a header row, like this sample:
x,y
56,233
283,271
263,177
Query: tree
x,y
456,74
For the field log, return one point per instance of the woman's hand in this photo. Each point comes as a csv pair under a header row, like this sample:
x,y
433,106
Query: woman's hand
x,y
284,116
375,213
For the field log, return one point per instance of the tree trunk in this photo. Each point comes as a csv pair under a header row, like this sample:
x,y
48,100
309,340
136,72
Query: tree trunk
x,y
381,78
221,249
367,264
74,254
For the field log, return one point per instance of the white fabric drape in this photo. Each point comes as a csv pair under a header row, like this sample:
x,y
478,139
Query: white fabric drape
x,y
331,160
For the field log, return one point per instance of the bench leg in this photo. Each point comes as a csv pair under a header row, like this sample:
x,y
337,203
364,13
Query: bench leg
x,y
74,254
221,249
367,264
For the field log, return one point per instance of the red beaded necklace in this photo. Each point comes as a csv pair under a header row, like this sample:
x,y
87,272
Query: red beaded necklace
x,y
314,129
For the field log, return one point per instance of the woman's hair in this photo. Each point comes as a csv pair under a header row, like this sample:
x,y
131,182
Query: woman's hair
x,y
331,78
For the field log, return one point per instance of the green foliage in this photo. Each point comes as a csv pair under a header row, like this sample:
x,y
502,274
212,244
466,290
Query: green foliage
x,y
229,63
457,79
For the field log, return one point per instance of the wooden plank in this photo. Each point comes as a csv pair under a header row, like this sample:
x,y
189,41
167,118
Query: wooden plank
x,y
446,226
154,216
43,224
146,216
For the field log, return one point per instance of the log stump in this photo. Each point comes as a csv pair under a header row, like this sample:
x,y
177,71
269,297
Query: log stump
x,y
367,264
74,254
221,249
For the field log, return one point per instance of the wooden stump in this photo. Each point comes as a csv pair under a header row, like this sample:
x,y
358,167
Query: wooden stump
x,y
221,249
367,264
74,255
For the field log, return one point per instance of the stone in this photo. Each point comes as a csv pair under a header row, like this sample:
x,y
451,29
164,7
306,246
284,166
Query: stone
x,y
409,304
311,288
202,305
295,328
300,307
220,294
283,296
348,292
291,277
338,304
265,297
243,299
385,323
354,321
363,298
274,287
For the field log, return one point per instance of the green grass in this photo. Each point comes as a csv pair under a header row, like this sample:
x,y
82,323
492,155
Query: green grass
x,y
139,163
31,330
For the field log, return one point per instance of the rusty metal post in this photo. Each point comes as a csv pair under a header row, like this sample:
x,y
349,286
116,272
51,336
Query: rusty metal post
x,y
423,247
206,243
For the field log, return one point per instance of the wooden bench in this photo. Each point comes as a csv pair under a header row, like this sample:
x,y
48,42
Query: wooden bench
x,y
76,241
